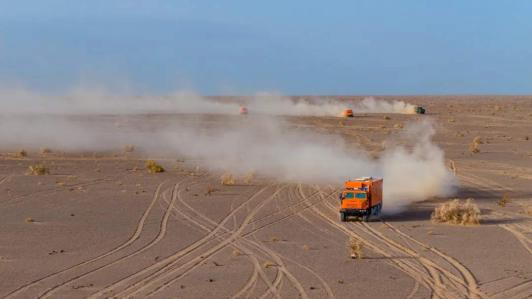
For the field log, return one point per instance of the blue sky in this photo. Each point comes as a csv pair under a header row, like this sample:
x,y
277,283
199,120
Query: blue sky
x,y
294,47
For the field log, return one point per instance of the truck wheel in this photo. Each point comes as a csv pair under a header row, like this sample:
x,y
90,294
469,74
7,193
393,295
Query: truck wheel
x,y
343,218
365,218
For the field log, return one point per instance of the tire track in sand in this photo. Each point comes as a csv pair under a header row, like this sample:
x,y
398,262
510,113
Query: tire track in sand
x,y
403,265
133,238
160,235
467,281
162,266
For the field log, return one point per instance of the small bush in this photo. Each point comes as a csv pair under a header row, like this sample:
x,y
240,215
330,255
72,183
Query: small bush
x,y
355,248
386,117
153,167
456,212
29,220
227,179
398,126
22,154
38,169
268,264
504,200
474,146
249,177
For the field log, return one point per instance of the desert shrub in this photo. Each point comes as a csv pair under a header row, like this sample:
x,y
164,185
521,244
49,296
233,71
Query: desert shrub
x,y
398,126
504,200
22,154
29,220
268,264
227,179
355,248
38,169
249,177
456,212
153,167
474,146
386,117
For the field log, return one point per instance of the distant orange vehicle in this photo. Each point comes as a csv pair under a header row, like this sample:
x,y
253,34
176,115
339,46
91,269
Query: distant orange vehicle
x,y
347,113
243,110
361,198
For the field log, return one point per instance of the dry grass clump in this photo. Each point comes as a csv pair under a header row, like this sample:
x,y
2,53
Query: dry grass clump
x,y
38,169
456,212
22,154
129,148
29,220
398,126
227,179
355,248
504,200
474,146
268,264
249,177
386,117
153,167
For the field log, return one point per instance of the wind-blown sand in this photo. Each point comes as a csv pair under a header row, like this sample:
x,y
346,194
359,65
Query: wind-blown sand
x,y
102,226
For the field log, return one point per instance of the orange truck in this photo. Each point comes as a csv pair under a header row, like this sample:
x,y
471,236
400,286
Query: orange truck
x,y
361,198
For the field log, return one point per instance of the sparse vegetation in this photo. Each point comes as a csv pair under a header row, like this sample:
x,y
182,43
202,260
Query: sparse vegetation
x,y
456,212
398,126
355,248
386,117
227,179
38,169
268,264
237,253
249,177
153,167
504,200
474,146
29,220
22,154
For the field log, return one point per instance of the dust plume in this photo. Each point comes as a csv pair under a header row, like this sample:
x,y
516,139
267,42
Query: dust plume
x,y
372,105
413,170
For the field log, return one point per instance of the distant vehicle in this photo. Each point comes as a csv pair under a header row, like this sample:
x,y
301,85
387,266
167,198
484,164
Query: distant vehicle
x,y
347,113
361,198
243,110
420,110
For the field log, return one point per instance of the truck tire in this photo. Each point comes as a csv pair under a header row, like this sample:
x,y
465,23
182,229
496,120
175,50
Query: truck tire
x,y
343,218
365,218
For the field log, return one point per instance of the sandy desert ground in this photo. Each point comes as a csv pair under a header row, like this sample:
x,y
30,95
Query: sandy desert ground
x,y
99,225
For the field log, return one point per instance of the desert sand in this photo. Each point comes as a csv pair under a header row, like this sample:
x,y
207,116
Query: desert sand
x,y
99,225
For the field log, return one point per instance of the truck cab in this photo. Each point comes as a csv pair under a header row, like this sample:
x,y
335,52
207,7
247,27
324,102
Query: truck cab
x,y
361,197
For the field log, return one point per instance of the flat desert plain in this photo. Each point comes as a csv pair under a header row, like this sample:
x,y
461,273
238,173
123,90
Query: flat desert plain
x,y
99,225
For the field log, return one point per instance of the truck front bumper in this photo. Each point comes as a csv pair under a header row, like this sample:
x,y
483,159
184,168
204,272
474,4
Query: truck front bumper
x,y
354,212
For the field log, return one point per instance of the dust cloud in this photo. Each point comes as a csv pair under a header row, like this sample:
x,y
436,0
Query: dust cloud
x,y
413,170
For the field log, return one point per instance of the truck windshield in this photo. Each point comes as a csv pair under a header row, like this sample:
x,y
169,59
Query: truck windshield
x,y
349,195
360,195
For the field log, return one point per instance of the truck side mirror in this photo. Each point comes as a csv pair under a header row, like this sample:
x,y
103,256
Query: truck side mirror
x,y
340,196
